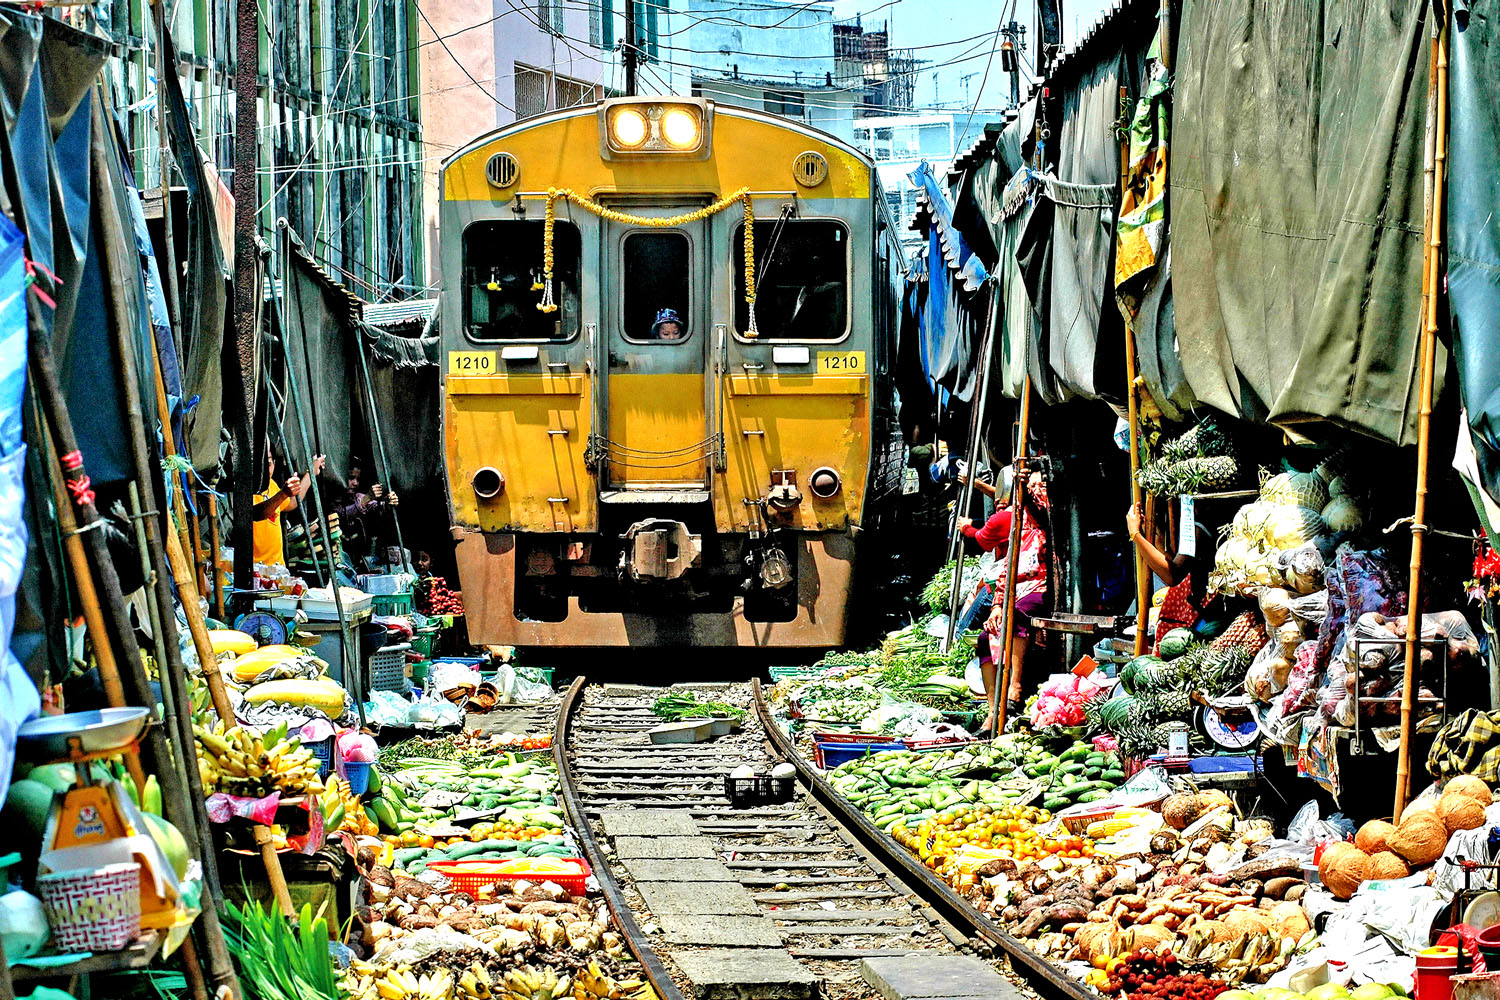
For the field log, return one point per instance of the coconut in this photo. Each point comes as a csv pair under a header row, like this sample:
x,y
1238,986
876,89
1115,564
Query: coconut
x,y
1419,839
1342,869
1371,837
1474,788
1384,864
1459,812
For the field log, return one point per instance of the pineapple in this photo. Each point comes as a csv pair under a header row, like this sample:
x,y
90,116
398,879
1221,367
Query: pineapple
x,y
1181,448
1209,475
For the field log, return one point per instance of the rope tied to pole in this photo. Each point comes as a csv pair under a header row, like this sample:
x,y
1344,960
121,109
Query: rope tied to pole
x,y
79,486
554,195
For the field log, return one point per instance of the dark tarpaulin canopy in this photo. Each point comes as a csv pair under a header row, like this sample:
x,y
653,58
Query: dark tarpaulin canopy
x,y
408,401
1297,204
1473,205
202,296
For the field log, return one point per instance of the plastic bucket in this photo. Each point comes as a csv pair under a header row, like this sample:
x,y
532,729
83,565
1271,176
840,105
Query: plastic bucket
x,y
371,638
358,774
1435,967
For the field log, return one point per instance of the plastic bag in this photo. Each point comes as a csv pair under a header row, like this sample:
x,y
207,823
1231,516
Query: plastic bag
x,y
1268,673
447,676
1300,692
1358,581
1301,568
387,708
1310,609
435,713
901,718
515,688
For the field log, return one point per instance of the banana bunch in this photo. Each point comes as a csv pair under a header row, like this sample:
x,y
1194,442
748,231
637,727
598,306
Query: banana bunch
x,y
592,983
475,984
364,982
528,983
237,761
342,809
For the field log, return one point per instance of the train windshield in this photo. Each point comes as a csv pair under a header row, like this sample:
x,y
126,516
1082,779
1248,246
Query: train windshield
x,y
656,287
502,260
801,278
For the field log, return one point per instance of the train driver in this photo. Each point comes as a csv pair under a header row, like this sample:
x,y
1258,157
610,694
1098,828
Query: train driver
x,y
668,326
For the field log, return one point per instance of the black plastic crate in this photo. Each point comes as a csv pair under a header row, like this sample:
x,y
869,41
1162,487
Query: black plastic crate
x,y
757,789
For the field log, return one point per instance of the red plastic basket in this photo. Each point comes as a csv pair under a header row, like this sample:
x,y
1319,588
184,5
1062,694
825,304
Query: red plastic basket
x,y
473,882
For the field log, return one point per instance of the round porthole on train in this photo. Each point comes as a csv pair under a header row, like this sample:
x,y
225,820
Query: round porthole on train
x,y
487,483
824,483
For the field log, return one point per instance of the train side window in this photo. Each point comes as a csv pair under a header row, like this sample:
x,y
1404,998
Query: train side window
x,y
656,291
801,280
501,261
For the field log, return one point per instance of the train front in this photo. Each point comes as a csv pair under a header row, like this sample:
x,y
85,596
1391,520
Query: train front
x,y
632,459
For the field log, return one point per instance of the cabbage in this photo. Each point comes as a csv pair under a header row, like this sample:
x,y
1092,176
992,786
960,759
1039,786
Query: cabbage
x,y
1304,489
1289,526
1342,514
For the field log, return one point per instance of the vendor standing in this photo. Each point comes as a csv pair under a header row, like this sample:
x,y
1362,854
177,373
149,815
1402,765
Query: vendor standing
x,y
269,504
1185,573
1031,583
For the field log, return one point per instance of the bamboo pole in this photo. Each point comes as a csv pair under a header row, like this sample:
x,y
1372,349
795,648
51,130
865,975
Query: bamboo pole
x,y
88,600
184,808
976,434
1003,678
1132,396
1437,162
216,544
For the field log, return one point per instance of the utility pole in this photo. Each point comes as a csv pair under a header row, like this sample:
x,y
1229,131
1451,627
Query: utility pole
x,y
240,365
1010,57
628,52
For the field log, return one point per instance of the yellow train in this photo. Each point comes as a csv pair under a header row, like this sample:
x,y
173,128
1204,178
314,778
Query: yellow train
x,y
663,426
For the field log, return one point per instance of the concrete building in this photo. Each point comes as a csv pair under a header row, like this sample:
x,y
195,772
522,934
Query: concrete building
x,y
490,64
898,144
864,60
770,55
340,121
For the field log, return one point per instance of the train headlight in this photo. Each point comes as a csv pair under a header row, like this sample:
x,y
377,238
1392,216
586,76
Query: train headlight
x,y
487,483
628,128
824,483
679,128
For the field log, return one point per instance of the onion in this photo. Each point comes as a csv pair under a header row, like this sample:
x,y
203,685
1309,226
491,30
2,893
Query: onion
x,y
1342,514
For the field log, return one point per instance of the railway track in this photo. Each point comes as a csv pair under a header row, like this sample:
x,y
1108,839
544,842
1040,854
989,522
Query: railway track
x,y
777,900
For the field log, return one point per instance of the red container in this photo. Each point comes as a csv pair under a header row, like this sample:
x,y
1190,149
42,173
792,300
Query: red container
x,y
1435,969
473,882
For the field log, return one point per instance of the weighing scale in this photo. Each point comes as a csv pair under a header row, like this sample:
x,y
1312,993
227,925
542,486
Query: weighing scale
x,y
96,822
1228,724
265,627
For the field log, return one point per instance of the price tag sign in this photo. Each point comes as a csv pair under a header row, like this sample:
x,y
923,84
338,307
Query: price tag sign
x,y
841,363
1187,528
471,363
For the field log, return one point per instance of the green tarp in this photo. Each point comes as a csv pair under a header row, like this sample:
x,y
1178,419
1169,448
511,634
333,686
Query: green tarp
x,y
1296,204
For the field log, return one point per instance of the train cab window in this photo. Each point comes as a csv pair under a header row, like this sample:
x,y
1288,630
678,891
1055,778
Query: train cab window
x,y
656,288
801,278
501,262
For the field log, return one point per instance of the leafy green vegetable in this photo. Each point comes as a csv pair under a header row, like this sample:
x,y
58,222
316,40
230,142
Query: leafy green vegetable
x,y
678,705
276,961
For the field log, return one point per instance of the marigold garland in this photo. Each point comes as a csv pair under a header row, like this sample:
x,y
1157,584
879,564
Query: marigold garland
x,y
548,304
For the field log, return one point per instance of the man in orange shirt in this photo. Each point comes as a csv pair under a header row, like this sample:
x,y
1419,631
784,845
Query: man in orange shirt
x,y
270,504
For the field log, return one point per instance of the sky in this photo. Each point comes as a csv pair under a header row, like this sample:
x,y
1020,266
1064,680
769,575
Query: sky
x,y
916,23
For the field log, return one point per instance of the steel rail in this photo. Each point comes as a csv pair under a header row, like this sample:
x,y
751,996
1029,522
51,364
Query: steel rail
x,y
1045,977
635,938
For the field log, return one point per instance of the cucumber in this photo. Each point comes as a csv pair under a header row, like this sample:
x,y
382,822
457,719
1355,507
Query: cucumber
x,y
460,851
1079,751
1114,776
406,855
1094,796
1073,767
1052,803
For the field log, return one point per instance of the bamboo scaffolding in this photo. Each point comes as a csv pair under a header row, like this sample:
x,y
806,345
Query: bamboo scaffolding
x,y
1003,678
1436,168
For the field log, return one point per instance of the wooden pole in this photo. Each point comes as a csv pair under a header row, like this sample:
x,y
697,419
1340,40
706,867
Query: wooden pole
x,y
180,805
216,544
88,599
1003,676
1132,396
1432,297
247,291
976,435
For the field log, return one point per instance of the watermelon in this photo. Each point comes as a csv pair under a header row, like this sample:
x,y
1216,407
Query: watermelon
x,y
1132,675
1174,643
28,801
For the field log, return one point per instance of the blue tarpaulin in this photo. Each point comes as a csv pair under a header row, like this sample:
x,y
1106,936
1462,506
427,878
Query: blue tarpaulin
x,y
955,277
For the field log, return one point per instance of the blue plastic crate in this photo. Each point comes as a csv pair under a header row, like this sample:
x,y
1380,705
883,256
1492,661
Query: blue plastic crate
x,y
831,755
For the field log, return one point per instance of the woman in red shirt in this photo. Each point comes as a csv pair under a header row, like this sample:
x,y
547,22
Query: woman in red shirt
x,y
1031,585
